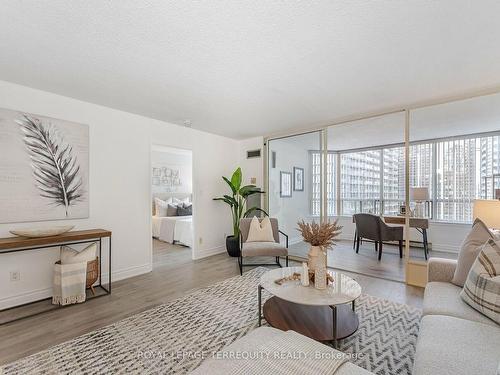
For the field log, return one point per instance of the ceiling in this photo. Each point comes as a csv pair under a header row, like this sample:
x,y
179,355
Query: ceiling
x,y
248,68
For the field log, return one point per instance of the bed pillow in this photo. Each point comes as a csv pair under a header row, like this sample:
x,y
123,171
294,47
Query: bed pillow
x,y
181,201
478,236
185,210
260,231
172,210
482,287
161,206
71,256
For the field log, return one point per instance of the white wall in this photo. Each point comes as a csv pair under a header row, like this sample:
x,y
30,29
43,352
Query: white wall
x,y
120,188
252,167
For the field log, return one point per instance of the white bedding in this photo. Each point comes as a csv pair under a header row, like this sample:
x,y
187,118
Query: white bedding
x,y
174,229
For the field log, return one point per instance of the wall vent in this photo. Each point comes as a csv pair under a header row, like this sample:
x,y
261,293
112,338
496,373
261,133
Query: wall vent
x,y
253,154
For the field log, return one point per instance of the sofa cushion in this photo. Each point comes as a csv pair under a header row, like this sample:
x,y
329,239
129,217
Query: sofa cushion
x,y
444,299
482,288
252,249
250,344
478,236
453,346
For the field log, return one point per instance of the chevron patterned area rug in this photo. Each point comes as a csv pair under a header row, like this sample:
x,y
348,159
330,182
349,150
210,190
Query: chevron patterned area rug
x,y
175,337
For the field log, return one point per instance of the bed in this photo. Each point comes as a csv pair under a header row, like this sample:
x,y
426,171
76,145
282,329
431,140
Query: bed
x,y
174,229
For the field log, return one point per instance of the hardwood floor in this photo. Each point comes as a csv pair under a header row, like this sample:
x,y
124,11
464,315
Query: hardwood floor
x,y
391,266
131,296
165,253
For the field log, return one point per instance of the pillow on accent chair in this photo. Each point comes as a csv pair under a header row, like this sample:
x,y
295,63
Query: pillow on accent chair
x,y
482,287
161,206
478,236
71,256
260,231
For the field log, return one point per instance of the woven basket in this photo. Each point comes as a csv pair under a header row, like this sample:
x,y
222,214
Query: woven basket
x,y
92,273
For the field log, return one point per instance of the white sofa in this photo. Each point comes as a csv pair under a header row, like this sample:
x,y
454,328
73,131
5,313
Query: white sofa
x,y
454,338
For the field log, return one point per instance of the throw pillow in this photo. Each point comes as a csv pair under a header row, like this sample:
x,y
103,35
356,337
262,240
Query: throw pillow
x,y
161,206
71,256
260,231
181,201
478,235
172,210
482,287
184,210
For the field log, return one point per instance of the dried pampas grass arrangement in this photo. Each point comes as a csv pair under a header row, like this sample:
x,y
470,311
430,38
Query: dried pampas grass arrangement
x,y
319,234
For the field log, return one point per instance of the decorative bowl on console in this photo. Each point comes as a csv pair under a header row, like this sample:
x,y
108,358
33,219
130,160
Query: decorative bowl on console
x,y
42,232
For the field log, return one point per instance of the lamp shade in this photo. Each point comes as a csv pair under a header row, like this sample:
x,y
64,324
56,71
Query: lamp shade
x,y
487,211
419,194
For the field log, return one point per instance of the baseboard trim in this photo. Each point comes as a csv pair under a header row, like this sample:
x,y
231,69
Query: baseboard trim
x,y
128,272
35,295
294,240
26,297
452,249
210,252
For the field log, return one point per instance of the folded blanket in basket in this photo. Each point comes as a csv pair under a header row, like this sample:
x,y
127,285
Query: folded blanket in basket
x,y
69,283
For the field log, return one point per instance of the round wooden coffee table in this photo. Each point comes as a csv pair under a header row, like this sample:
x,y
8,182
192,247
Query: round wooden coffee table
x,y
324,315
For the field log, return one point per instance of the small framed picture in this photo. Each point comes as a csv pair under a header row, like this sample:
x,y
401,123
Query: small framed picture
x,y
156,172
298,179
285,184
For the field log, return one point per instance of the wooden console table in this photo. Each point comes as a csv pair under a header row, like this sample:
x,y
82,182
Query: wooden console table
x,y
16,244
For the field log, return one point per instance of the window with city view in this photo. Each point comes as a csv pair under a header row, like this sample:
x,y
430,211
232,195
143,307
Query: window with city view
x,y
456,171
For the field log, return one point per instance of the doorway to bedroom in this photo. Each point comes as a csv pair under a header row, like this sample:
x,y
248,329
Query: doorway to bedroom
x,y
172,207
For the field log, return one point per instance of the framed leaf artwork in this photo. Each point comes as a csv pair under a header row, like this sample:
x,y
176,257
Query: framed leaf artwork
x,y
44,169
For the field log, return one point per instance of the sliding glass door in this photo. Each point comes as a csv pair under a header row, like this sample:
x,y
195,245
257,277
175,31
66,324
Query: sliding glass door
x,y
366,160
419,169
295,184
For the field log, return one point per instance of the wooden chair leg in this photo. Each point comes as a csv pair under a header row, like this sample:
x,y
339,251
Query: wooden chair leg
x,y
376,245
355,240
400,249
357,244
240,263
92,290
380,250
286,260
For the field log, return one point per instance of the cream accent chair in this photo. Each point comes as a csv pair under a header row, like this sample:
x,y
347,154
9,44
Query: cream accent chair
x,y
257,249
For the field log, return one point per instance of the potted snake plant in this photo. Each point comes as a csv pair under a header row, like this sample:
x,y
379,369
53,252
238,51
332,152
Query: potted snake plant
x,y
237,201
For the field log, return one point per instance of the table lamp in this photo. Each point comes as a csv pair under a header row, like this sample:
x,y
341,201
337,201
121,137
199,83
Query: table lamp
x,y
488,210
419,195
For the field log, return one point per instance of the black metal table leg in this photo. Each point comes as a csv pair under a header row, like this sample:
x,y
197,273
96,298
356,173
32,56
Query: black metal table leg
x,y
260,301
354,305
426,246
109,288
334,325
